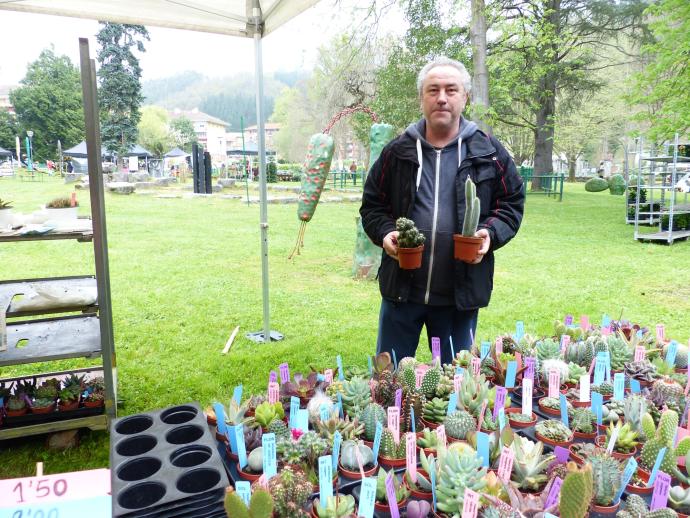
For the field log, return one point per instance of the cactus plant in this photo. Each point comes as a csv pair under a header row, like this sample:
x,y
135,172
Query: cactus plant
x,y
339,506
260,505
289,489
255,460
390,448
430,382
472,209
582,420
349,429
460,471
576,491
348,455
412,400
554,430
408,234
459,423
634,407
662,437
372,414
606,476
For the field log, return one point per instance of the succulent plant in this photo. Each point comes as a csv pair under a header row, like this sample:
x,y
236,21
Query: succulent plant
x,y
473,392
580,353
576,491
619,352
5,204
582,420
626,441
554,430
339,506
236,414
605,389
418,509
435,410
348,455
459,423
634,407
472,209
348,429
460,471
389,448
642,371
679,499
547,366
524,504
352,371
662,437
69,394
64,202
356,396
666,391
429,439
636,507
401,491
372,414
519,417
46,392
681,361
260,505
318,401
255,460
267,412
530,464
252,437
43,402
301,387
412,400
16,403
290,488
606,476
408,234
548,349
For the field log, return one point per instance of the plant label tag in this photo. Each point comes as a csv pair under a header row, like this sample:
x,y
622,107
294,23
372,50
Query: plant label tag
x,y
367,497
432,475
341,413
618,386
390,493
243,490
565,341
527,396
628,472
272,377
303,420
657,465
398,398
294,408
549,515
501,419
394,422
328,375
530,367
519,330
597,405
237,394
568,321
411,457
220,418
339,364
452,403
457,383
591,366
476,365
584,322
413,426
360,461
639,333
241,449
660,332
324,412
605,331
441,435
435,348
554,492
612,440
640,353
499,400
52,489
635,386
584,388
505,464
564,410
484,350
480,420
671,353
470,505
395,359
418,376
377,442
607,357
562,454
320,377
284,372
370,365
662,487
600,369
554,383
499,345
605,321
273,393
452,349
483,448
91,506
268,442
325,479
230,434
511,372
518,359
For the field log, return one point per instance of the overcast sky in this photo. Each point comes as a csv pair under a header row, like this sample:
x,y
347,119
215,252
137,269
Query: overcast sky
x,y
292,46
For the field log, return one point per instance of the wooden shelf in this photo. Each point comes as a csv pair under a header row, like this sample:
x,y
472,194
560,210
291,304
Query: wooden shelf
x,y
8,289
82,236
95,422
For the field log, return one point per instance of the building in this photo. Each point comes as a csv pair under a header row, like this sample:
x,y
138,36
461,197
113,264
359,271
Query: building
x,y
5,104
210,131
270,129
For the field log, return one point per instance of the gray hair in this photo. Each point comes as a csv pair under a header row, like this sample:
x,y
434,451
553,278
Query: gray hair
x,y
443,61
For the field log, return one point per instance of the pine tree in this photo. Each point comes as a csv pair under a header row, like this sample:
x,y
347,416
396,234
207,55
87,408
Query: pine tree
x,y
119,76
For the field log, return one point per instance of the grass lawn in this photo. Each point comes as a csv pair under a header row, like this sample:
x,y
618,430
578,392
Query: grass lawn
x,y
185,272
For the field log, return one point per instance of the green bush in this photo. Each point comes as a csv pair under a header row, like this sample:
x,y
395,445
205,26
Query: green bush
x,y
596,185
617,184
271,172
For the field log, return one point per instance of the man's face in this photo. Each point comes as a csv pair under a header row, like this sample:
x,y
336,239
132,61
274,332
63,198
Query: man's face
x,y
443,98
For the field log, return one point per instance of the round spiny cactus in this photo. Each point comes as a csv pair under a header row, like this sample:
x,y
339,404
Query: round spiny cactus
x,y
408,235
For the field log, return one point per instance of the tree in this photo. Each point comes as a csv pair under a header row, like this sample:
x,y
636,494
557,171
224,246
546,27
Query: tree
x,y
154,132
480,72
8,130
182,130
120,88
49,103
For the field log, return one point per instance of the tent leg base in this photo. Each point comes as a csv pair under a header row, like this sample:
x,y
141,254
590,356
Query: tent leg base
x,y
258,336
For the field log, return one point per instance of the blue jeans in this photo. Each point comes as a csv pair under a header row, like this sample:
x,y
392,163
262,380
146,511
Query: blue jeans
x,y
400,325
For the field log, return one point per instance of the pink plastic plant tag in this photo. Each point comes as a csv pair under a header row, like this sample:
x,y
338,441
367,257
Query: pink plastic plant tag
x,y
565,342
554,383
411,457
640,353
262,482
591,366
476,366
418,376
457,382
441,435
328,375
584,322
470,504
505,464
660,332
481,416
606,331
394,422
273,392
499,345
358,456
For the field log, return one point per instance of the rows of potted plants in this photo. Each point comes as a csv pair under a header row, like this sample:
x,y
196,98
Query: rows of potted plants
x,y
453,417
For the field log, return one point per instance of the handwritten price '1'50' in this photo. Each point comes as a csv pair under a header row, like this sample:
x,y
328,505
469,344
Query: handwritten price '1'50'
x,y
42,488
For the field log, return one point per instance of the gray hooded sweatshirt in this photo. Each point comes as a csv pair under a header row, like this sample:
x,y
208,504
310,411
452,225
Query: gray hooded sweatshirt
x,y
434,213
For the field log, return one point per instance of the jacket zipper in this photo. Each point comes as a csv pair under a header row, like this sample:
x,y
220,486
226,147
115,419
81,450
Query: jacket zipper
x,y
433,225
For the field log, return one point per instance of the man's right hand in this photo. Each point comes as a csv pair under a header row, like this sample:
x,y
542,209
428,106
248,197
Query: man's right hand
x,y
390,244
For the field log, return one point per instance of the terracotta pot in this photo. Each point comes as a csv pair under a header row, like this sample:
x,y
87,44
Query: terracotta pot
x,y
418,494
229,454
392,463
93,404
355,475
580,404
385,508
211,419
576,458
602,442
520,424
369,443
69,406
644,475
430,425
451,440
586,436
16,413
536,393
314,513
545,440
466,248
605,509
220,437
244,475
410,258
547,410
43,410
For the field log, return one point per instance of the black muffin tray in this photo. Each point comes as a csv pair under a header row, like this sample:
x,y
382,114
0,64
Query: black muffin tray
x,y
164,463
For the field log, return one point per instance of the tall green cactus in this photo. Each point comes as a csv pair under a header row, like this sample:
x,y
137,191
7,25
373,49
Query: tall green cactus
x,y
606,476
472,209
260,505
662,437
576,492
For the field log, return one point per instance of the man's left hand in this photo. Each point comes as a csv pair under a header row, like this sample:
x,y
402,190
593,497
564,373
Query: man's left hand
x,y
486,244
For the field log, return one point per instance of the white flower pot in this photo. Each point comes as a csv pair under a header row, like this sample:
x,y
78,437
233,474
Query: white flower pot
x,y
5,218
68,213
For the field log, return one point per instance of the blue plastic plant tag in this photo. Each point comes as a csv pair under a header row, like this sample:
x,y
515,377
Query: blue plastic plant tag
x,y
324,412
618,386
303,420
230,434
605,320
639,333
294,410
452,348
630,469
460,370
597,405
367,497
483,448
452,403
671,353
519,330
320,377
484,350
341,372
564,410
93,507
634,386
268,442
549,515
241,449
377,442
511,371
657,465
395,360
340,405
501,419
337,440
599,369
412,423
325,479
220,418
243,490
432,467
370,364
237,394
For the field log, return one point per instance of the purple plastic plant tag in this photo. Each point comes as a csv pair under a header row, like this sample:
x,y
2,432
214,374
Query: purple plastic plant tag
x,y
562,454
390,493
662,486
568,320
284,372
272,377
552,499
435,348
398,398
530,363
500,399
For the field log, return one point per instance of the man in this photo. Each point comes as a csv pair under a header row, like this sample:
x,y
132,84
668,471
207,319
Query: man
x,y
421,175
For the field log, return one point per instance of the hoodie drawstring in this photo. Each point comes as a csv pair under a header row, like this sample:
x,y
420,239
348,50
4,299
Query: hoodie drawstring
x,y
421,163
459,152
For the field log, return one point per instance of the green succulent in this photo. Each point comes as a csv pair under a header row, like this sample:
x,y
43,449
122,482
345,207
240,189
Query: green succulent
x,y
529,466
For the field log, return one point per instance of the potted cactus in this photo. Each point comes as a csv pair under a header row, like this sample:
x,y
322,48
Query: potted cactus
x,y
348,465
69,398
260,505
410,244
255,465
553,433
391,453
401,492
5,214
16,405
339,506
606,476
290,489
62,208
466,244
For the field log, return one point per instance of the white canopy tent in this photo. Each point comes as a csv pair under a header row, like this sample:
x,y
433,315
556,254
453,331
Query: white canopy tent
x,y
244,18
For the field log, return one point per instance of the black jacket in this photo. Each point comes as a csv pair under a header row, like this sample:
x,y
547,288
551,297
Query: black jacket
x,y
389,193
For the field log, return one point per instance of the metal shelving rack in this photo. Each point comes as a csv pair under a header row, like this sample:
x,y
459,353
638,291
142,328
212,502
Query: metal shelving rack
x,y
660,185
89,333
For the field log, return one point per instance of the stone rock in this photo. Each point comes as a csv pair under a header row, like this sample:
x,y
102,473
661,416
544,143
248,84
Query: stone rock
x,y
73,177
168,196
227,182
63,440
82,185
118,176
166,181
596,185
139,177
217,188
145,185
232,196
108,167
120,187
